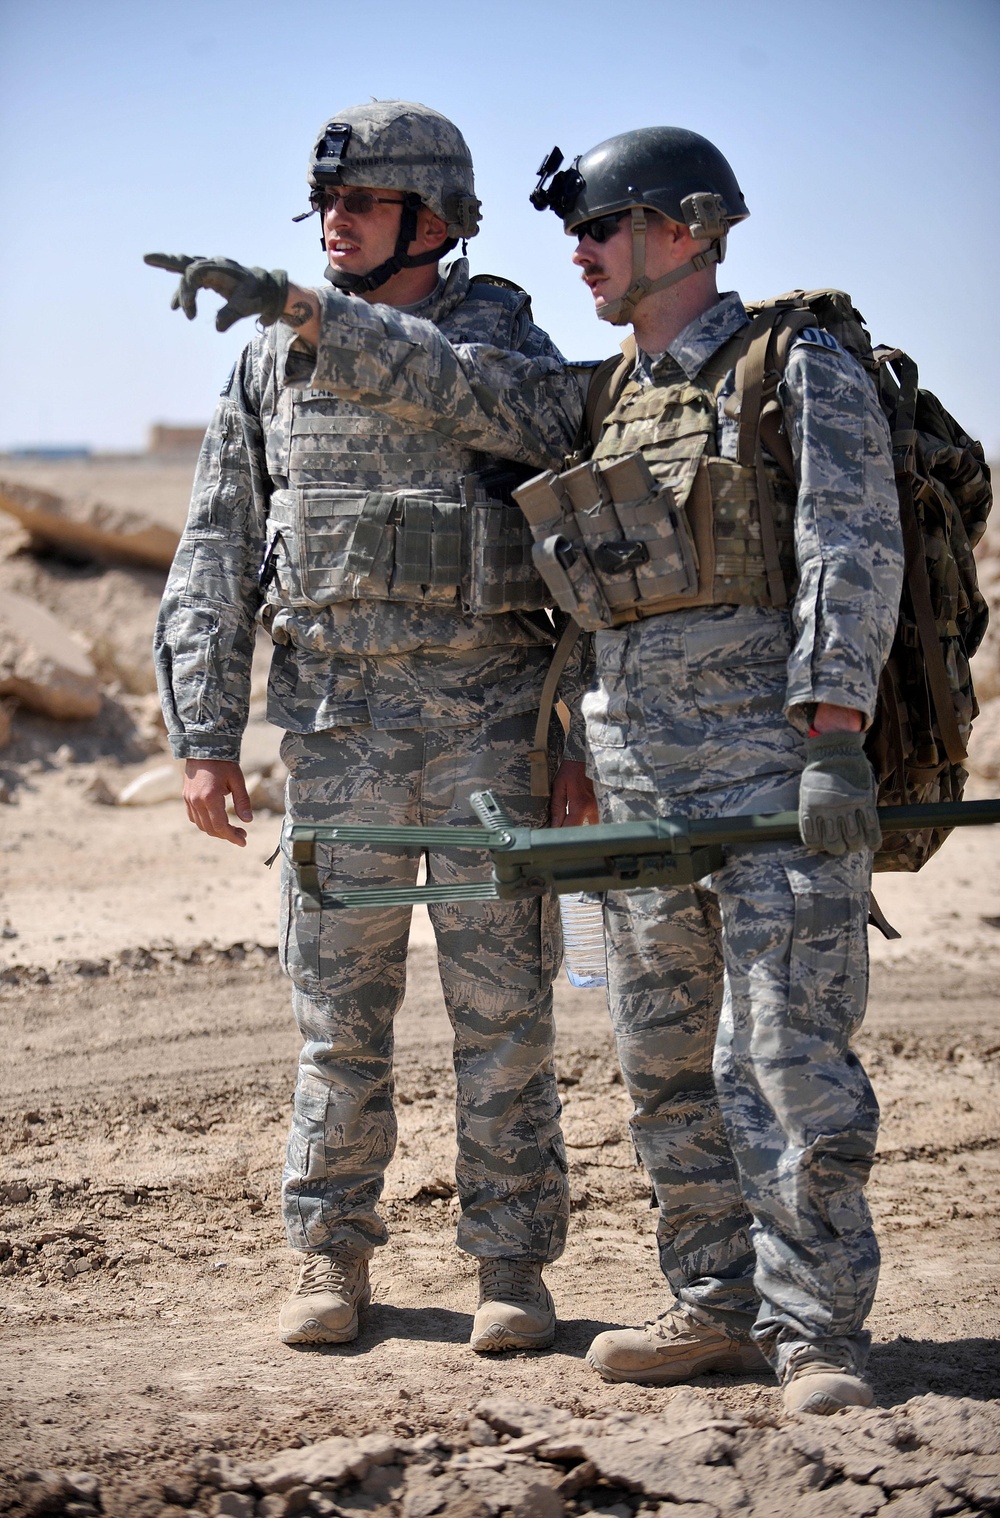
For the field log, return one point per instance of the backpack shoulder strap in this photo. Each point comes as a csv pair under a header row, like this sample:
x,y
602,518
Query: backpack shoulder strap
x,y
606,384
758,372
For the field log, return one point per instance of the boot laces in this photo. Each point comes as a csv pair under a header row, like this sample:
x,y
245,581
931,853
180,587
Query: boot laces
x,y
675,1323
510,1281
336,1272
811,1360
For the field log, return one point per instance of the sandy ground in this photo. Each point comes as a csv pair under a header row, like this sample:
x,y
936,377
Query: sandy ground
x,y
149,1060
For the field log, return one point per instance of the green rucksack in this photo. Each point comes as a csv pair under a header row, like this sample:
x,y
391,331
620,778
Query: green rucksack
x,y
918,741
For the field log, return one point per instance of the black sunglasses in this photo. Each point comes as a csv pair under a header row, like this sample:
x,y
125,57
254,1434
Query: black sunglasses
x,y
601,228
355,202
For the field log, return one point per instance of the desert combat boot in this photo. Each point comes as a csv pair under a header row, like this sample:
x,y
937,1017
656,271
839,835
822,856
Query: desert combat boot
x,y
323,1308
672,1347
816,1383
515,1308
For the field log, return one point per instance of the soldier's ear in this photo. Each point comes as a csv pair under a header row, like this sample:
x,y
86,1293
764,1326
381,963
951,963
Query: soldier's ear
x,y
431,230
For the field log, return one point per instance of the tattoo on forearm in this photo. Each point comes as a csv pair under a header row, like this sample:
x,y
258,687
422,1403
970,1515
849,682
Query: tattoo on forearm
x,y
298,314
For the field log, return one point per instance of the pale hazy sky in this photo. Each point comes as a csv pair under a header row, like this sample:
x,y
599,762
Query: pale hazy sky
x,y
864,134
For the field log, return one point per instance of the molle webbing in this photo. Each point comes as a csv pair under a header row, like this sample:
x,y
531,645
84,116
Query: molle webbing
x,y
675,428
606,385
334,545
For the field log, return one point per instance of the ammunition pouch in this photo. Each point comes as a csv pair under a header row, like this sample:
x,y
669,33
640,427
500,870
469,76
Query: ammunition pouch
x,y
610,543
329,544
614,547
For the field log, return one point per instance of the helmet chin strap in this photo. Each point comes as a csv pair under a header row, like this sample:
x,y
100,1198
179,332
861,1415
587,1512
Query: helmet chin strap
x,y
363,284
619,312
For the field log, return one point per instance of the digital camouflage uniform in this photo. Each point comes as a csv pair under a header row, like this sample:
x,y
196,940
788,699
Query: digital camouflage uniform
x,y
397,702
734,1001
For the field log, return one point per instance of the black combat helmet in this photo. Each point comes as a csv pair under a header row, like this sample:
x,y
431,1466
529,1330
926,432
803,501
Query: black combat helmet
x,y
667,169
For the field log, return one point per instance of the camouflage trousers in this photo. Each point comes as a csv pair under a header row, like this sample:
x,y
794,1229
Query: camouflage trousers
x,y
496,961
733,1002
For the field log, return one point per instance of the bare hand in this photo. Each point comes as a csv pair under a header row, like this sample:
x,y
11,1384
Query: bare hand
x,y
828,718
574,803
207,783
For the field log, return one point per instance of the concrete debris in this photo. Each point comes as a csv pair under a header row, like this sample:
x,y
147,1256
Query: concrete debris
x,y
932,1455
164,782
89,528
41,665
260,748
330,1462
99,789
267,792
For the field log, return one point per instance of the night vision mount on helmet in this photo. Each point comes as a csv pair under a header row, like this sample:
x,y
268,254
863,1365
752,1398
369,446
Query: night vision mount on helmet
x,y
665,169
398,145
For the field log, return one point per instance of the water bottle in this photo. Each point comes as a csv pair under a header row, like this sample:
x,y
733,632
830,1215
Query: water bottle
x,y
583,939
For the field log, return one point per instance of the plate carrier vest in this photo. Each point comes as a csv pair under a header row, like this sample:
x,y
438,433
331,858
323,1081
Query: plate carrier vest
x,y
450,536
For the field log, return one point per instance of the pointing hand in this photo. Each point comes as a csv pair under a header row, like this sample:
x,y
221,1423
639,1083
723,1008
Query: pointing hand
x,y
248,291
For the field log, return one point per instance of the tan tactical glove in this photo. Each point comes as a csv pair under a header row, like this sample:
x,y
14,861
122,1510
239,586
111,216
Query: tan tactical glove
x,y
248,292
837,812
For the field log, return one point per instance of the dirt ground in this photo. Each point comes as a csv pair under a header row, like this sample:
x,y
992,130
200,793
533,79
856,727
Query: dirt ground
x,y
149,1062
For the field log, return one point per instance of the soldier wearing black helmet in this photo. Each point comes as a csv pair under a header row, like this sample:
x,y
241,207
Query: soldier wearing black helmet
x,y
412,644
742,619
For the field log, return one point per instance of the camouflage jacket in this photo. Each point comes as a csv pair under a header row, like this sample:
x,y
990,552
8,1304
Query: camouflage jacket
x,y
848,548
388,663
708,704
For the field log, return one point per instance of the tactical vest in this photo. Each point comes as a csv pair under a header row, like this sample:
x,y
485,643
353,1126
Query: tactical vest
x,y
368,508
655,521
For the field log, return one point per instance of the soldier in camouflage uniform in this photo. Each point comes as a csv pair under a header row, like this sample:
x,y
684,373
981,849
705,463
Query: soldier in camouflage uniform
x,y
411,645
734,1001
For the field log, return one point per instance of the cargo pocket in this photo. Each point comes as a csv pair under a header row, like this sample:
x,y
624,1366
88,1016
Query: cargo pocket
x,y
299,933
201,636
605,707
737,662
828,969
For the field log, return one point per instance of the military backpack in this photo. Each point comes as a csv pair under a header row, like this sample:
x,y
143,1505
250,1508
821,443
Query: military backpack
x,y
918,741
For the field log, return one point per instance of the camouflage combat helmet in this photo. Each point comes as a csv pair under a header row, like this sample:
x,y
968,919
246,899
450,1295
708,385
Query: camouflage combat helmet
x,y
665,169
399,145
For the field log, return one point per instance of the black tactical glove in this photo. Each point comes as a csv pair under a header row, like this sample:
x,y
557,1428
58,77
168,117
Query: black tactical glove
x,y
837,812
248,292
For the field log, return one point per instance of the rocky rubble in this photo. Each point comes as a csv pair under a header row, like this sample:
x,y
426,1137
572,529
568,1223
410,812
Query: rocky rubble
x,y
77,613
41,666
931,1456
88,527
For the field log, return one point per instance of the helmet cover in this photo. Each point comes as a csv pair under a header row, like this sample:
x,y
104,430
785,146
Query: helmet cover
x,y
400,145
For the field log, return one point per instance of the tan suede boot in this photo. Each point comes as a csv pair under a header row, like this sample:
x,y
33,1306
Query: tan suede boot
x,y
672,1347
323,1308
815,1383
515,1308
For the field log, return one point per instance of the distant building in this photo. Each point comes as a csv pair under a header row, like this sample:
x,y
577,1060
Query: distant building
x,y
173,441
50,451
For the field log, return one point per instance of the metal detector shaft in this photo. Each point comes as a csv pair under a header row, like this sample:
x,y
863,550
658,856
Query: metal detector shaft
x,y
627,856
